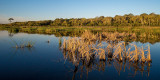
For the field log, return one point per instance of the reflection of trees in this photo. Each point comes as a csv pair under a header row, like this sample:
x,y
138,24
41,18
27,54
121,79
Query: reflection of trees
x,y
12,31
10,34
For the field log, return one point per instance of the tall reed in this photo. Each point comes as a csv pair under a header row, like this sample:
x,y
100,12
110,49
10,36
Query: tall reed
x,y
148,54
86,47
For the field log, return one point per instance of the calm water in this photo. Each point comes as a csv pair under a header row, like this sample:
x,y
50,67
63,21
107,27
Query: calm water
x,y
45,61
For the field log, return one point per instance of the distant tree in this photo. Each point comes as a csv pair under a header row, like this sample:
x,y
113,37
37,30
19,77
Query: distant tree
x,y
144,19
10,20
64,23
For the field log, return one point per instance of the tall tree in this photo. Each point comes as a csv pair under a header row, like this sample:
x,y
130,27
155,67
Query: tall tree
x,y
10,20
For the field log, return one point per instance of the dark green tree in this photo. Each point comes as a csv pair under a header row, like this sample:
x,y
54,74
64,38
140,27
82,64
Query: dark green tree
x,y
10,20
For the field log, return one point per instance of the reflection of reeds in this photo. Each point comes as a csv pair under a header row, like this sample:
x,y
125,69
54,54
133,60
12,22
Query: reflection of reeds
x,y
64,44
90,48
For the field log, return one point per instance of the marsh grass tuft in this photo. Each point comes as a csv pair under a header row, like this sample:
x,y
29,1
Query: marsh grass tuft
x,y
93,52
30,44
142,53
22,44
48,41
87,46
148,55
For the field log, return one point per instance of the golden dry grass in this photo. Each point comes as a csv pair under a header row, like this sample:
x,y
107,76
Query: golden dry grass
x,y
93,52
88,45
149,55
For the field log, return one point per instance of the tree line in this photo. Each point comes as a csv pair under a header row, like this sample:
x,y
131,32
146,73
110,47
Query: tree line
x,y
144,19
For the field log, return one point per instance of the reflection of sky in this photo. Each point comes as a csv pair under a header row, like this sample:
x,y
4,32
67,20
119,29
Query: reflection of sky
x,y
3,34
44,60
25,63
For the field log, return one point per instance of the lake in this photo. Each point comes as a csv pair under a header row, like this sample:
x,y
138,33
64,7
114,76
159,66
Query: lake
x,y
47,61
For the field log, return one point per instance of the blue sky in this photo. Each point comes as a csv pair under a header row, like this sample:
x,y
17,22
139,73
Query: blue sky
x,y
23,10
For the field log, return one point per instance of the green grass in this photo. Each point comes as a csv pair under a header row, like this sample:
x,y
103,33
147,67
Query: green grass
x,y
72,31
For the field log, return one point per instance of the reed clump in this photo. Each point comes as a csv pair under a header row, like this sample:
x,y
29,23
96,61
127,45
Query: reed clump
x,y
94,52
116,36
120,52
87,35
149,55
29,44
24,44
143,58
87,46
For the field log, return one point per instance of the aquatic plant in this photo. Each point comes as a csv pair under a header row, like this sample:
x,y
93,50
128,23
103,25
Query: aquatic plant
x,y
22,44
86,47
136,54
142,55
48,41
30,44
95,53
148,55
93,56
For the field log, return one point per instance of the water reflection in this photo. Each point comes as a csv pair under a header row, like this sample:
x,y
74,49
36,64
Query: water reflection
x,y
97,65
16,52
96,52
84,67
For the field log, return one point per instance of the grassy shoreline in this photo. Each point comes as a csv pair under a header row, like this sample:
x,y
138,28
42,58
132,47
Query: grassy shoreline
x,y
143,34
50,30
84,27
